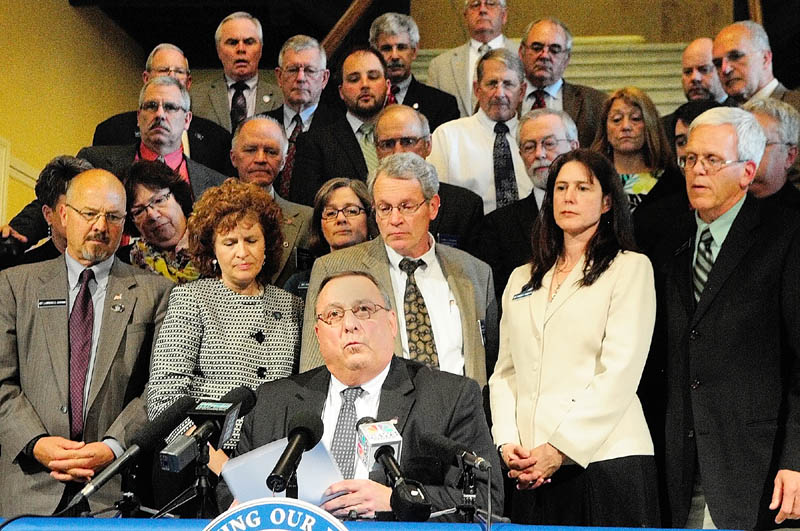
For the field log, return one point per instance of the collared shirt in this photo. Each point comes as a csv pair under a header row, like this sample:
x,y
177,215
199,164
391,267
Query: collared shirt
x,y
97,288
400,96
719,228
553,96
249,93
766,91
497,42
174,160
366,406
440,302
355,122
538,194
462,152
306,115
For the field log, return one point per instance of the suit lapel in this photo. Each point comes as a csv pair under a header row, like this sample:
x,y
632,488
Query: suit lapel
x,y
735,246
264,90
310,397
682,271
397,394
463,292
289,230
572,104
219,101
55,286
119,296
376,261
458,65
349,142
570,285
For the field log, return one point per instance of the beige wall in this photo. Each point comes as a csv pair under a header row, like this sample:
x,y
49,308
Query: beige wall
x,y
441,22
64,70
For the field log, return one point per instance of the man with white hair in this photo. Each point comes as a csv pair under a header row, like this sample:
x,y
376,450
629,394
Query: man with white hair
x,y
396,36
743,58
454,70
241,92
730,317
505,238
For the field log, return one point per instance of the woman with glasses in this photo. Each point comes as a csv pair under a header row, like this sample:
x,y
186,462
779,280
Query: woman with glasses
x,y
631,135
231,327
574,336
158,202
342,217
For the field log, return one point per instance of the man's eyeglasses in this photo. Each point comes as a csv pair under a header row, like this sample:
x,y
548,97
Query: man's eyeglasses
x,y
334,315
92,216
350,211
552,49
733,56
168,70
169,107
490,4
294,70
549,144
384,210
406,142
710,163
158,202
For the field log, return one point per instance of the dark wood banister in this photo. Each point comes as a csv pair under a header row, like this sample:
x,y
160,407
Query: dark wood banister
x,y
343,26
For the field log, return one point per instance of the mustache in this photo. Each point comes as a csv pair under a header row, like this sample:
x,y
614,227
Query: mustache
x,y
159,122
395,62
98,236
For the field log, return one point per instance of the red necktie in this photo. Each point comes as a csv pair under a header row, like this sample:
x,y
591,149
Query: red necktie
x,y
81,323
539,101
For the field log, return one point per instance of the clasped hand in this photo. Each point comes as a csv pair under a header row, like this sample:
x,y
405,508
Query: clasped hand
x,y
532,468
72,460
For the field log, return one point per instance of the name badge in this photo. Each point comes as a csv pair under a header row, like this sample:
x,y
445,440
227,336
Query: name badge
x,y
49,303
524,293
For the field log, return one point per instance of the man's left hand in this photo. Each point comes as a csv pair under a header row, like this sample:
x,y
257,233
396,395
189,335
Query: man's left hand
x,y
89,459
361,495
786,495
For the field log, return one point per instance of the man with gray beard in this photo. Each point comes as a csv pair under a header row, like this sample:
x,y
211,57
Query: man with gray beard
x,y
505,238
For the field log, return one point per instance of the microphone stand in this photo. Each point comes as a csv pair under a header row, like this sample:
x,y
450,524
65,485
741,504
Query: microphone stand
x,y
200,490
468,492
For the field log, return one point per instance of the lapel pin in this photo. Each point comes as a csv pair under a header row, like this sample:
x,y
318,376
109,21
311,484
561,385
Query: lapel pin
x,y
415,106
266,99
118,297
119,308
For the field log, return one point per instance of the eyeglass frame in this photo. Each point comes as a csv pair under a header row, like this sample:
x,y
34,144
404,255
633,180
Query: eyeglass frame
x,y
169,107
335,211
293,71
490,4
403,209
353,309
166,71
733,56
114,219
549,47
406,142
154,203
708,166
525,148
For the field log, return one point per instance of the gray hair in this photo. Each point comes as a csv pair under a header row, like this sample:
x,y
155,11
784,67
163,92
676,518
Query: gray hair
x,y
148,65
570,129
551,20
750,137
758,37
233,16
501,2
298,43
787,116
167,81
267,118
394,24
505,56
407,166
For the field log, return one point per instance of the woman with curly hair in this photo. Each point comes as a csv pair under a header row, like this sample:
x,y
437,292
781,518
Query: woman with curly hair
x,y
231,327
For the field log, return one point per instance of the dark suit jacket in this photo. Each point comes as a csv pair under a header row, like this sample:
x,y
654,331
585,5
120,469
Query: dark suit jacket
x,y
437,106
209,144
34,373
324,153
459,219
505,239
733,370
422,400
585,106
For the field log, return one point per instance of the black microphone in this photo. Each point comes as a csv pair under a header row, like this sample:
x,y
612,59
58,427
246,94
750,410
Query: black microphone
x,y
147,438
409,501
305,431
439,444
213,418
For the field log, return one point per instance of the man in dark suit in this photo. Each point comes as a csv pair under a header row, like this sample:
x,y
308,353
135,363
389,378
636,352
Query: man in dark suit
x,y
545,51
204,142
163,116
356,325
396,36
345,147
729,311
400,129
505,239
302,75
240,92
74,356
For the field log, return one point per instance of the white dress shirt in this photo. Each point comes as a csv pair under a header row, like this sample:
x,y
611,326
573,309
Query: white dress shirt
x,y
366,406
553,97
400,96
766,91
462,153
249,93
306,115
497,42
440,302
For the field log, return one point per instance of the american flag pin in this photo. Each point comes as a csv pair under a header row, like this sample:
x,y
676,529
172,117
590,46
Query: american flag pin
x,y
118,297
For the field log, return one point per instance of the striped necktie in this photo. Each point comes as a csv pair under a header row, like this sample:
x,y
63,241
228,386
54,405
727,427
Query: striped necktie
x,y
703,263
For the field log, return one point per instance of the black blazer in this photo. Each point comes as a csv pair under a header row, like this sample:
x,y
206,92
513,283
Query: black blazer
x,y
422,400
209,143
460,218
437,106
733,368
505,239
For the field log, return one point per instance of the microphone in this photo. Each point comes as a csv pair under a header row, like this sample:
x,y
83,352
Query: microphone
x,y
305,431
145,439
439,444
212,418
376,443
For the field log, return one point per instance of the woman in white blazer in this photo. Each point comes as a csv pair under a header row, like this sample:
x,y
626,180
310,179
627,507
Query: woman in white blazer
x,y
575,332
